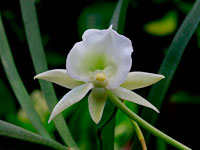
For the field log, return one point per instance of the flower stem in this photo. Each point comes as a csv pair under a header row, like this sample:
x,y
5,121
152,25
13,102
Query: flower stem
x,y
145,124
139,134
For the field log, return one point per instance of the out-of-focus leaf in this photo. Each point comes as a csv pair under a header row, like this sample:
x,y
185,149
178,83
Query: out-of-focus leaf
x,y
39,104
39,61
8,14
160,144
185,7
163,26
124,129
6,99
171,62
107,126
184,97
20,118
42,109
85,130
10,130
26,124
55,59
119,16
96,16
16,83
11,17
108,113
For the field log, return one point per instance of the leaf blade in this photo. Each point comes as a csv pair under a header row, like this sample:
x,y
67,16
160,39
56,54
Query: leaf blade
x,y
38,57
16,83
119,16
171,62
175,53
13,131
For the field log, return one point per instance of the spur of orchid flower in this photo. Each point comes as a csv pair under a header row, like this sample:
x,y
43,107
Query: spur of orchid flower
x,y
100,62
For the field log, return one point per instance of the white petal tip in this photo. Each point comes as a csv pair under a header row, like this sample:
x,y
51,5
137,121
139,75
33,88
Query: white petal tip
x,y
157,110
35,77
50,119
162,77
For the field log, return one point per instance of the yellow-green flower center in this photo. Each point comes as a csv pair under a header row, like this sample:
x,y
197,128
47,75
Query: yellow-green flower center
x,y
99,79
101,76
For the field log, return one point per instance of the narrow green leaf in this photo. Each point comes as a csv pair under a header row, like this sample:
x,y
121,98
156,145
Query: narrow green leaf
x,y
16,83
37,53
13,131
119,16
108,135
171,61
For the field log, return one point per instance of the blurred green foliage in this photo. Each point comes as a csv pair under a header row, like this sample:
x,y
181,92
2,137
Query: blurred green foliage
x,y
124,129
6,99
160,144
11,17
164,26
184,6
184,97
96,15
85,131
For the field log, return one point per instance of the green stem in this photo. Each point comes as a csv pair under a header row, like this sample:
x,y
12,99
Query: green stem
x,y
145,124
139,134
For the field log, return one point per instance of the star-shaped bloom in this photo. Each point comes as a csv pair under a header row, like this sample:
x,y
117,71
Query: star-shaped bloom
x,y
100,62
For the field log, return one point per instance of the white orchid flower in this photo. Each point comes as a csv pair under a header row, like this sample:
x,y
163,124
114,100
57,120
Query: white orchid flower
x,y
100,62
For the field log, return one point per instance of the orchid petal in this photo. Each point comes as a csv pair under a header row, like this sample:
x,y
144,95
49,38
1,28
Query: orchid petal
x,y
96,102
128,95
60,77
72,97
136,80
101,50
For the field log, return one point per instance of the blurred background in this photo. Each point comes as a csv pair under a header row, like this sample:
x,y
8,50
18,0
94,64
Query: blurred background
x,y
151,26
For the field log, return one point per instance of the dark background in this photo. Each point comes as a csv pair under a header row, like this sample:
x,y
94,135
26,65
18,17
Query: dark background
x,y
62,24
